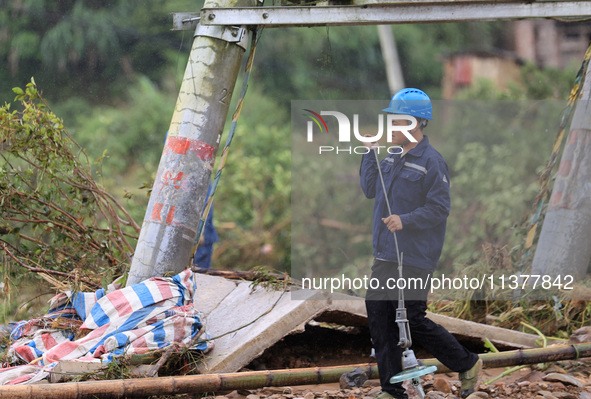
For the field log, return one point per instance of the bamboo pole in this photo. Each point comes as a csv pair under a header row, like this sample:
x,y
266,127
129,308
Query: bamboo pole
x,y
525,356
144,387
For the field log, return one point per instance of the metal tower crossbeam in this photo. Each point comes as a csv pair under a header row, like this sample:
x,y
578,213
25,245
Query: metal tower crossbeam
x,y
377,14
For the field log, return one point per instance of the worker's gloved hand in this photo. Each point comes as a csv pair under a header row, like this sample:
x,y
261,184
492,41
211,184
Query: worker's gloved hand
x,y
393,223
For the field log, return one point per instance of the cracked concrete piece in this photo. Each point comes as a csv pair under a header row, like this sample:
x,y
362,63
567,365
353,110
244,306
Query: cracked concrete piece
x,y
244,322
211,291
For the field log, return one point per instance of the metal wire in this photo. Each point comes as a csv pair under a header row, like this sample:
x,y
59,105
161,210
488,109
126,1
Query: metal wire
x,y
398,254
235,116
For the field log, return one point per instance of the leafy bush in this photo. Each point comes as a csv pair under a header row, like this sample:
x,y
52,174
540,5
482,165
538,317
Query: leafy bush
x,y
55,220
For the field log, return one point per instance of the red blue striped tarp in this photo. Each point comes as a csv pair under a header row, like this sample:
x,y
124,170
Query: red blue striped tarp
x,y
150,315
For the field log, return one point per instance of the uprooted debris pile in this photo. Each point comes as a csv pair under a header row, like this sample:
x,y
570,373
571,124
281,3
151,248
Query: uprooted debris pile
x,y
247,321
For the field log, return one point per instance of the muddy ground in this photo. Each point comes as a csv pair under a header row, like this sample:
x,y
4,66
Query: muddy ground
x,y
323,347
561,380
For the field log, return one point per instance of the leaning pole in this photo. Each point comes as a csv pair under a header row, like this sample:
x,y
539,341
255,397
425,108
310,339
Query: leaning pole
x,y
563,247
180,187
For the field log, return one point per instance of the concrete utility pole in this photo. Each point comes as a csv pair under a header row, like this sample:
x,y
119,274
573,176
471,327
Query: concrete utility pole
x,y
564,246
391,59
180,187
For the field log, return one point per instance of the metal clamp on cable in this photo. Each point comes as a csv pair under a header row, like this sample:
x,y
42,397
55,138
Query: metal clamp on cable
x,y
230,34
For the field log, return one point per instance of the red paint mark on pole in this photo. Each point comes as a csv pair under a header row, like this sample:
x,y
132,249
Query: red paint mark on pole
x,y
169,177
564,168
170,215
157,211
182,145
556,197
177,180
573,135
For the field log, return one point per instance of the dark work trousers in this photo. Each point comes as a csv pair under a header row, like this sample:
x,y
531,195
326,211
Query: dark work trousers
x,y
381,307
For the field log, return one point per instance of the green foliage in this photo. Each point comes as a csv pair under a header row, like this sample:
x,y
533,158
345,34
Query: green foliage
x,y
494,150
55,220
547,83
254,191
324,63
489,196
129,140
87,49
331,217
85,34
537,84
346,62
269,281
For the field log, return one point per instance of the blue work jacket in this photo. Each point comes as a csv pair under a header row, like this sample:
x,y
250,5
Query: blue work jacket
x,y
417,185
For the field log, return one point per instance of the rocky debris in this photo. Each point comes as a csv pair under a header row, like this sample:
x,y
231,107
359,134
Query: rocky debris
x,y
581,335
441,384
556,369
374,391
546,395
498,390
564,378
355,378
565,395
371,383
561,380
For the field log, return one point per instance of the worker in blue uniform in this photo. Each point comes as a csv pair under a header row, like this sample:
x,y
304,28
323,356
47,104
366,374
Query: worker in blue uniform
x,y
416,180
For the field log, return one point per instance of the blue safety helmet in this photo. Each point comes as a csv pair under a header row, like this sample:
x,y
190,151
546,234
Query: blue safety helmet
x,y
411,102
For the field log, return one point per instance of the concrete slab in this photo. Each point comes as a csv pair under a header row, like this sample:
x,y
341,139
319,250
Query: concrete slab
x,y
244,322
211,291
247,322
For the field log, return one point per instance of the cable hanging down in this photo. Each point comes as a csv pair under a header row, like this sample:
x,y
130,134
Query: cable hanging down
x,y
254,40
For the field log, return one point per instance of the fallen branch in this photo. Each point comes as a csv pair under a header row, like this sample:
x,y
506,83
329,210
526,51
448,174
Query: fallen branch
x,y
47,271
166,355
241,275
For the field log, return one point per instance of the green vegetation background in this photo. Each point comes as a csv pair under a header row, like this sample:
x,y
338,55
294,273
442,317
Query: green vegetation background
x,y
112,69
